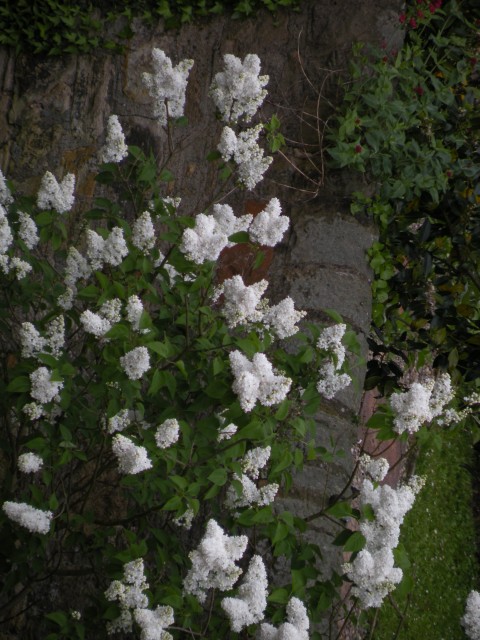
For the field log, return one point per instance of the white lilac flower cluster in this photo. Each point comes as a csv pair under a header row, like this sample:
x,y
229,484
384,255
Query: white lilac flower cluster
x,y
225,433
331,382
246,153
29,462
207,239
111,250
250,603
255,380
136,362
130,596
376,468
372,571
5,194
167,433
134,313
131,458
269,225
421,403
115,149
253,461
27,231
213,562
55,195
471,619
119,422
238,91
243,304
17,265
44,389
35,520
185,520
167,85
296,627
143,233
98,324
33,343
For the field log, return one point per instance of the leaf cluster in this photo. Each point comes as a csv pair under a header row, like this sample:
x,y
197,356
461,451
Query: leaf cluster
x,y
55,27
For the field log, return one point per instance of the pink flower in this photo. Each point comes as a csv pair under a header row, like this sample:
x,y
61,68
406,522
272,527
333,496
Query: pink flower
x,y
418,90
413,23
402,17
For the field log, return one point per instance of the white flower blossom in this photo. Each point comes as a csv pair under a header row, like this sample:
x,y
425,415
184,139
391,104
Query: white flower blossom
x,y
330,340
94,323
153,623
207,239
5,194
65,300
28,230
372,570
250,494
239,89
111,310
331,382
95,248
134,313
143,233
136,362
6,236
33,410
245,152
227,432
248,607
374,575
21,267
129,595
131,458
185,520
55,195
213,562
412,408
29,462
119,422
31,340
115,149
43,389
296,627
376,468
228,222
241,302
56,336
77,267
283,318
167,85
256,380
269,225
471,620
35,520
115,248
254,460
167,433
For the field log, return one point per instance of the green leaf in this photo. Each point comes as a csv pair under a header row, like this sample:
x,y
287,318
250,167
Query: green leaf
x,y
219,477
340,510
19,384
355,542
239,237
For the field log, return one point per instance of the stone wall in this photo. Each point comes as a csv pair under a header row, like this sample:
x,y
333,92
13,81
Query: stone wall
x,y
53,115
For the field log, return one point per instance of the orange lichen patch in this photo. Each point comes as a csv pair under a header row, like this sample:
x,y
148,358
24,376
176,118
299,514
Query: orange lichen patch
x,y
240,259
73,158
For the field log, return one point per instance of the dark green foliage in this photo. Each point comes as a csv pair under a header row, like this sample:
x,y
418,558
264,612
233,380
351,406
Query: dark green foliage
x,y
411,124
56,27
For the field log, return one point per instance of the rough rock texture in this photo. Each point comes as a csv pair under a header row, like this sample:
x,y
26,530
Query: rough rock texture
x,y
53,115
